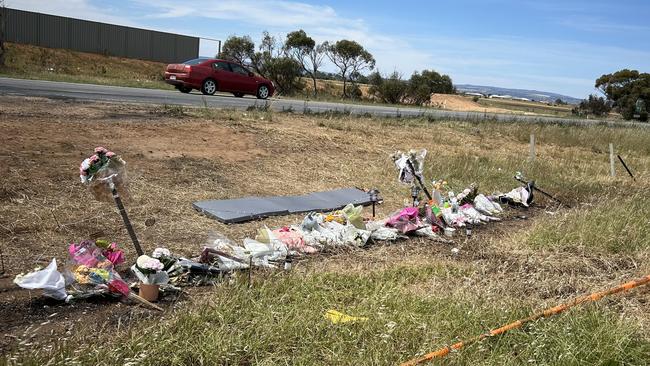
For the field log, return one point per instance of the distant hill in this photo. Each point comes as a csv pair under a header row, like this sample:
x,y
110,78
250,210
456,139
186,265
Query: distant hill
x,y
516,93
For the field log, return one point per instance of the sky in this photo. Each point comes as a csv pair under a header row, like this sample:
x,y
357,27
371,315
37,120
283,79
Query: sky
x,y
547,45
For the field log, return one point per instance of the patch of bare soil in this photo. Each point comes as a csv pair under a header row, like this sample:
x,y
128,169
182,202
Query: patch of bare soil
x,y
460,103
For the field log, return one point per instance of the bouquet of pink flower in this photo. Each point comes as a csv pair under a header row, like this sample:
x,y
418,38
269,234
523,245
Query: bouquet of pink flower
x,y
111,251
88,267
150,271
101,168
108,250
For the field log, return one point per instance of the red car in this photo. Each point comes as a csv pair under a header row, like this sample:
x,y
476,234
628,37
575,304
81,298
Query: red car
x,y
212,75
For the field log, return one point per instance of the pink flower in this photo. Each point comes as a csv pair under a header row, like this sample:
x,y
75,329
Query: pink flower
x,y
116,257
100,150
110,154
94,158
72,249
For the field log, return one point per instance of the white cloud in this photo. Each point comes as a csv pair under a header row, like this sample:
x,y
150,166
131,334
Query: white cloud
x,y
321,22
81,9
600,25
267,13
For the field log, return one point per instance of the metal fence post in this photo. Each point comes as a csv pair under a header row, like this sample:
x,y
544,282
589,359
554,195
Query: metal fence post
x,y
611,160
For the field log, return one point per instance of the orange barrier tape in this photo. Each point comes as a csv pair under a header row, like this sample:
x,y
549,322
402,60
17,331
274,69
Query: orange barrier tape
x,y
542,314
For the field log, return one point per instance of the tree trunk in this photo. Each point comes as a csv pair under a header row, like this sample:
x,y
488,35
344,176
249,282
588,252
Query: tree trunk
x,y
313,77
345,81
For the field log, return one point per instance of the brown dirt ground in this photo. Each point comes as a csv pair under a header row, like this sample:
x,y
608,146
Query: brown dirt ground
x,y
460,103
174,160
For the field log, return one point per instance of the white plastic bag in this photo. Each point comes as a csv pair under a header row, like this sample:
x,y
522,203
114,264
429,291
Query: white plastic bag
x,y
485,206
427,232
355,237
384,233
451,218
50,280
519,195
263,253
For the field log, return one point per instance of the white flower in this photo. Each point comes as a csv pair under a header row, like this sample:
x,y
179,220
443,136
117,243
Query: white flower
x,y
161,252
148,263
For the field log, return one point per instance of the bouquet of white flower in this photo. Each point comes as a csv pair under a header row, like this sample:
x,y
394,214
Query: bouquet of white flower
x,y
150,271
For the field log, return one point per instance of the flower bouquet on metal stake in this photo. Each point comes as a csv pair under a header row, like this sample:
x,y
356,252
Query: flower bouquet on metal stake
x,y
104,173
101,168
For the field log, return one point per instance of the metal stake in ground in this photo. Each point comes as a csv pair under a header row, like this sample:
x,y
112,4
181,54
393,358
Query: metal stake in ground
x,y
125,217
419,180
2,260
626,168
374,198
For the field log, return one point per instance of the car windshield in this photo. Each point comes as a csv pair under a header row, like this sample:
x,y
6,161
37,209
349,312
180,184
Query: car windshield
x,y
195,61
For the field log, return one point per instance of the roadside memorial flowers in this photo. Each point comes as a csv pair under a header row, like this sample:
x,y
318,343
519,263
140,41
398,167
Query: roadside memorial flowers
x,y
152,272
90,269
99,170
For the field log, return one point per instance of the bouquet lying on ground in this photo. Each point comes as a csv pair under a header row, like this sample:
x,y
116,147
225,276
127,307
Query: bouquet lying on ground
x,y
101,168
109,250
89,268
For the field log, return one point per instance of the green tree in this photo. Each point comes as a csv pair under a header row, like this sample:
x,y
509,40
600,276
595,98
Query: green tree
x,y
422,85
624,88
388,90
306,52
272,62
594,105
350,58
238,49
285,73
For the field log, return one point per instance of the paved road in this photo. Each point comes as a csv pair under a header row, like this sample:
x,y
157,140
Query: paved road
x,y
89,92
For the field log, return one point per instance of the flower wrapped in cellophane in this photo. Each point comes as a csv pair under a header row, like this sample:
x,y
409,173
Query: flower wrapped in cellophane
x,y
99,170
91,273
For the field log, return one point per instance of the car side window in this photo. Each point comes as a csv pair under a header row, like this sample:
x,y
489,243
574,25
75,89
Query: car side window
x,y
238,69
220,65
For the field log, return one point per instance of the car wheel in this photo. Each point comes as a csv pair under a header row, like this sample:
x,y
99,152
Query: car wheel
x,y
263,92
209,87
238,95
184,89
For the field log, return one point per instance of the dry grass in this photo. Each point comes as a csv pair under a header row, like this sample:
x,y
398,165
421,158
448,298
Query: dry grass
x,y
505,271
32,62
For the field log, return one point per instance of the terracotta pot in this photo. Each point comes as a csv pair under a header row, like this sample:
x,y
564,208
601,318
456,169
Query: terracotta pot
x,y
148,292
